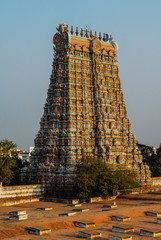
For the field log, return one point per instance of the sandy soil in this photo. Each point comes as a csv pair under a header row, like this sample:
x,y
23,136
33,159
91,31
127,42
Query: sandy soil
x,y
63,227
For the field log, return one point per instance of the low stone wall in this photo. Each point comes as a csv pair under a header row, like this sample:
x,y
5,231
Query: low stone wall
x,y
12,195
156,181
99,199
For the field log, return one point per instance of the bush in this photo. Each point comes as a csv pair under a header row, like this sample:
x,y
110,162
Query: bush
x,y
97,179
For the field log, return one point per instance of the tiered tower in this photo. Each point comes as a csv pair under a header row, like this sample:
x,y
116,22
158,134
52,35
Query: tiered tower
x,y
84,112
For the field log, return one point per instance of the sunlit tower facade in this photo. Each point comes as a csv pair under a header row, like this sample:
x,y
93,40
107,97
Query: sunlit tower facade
x,y
84,113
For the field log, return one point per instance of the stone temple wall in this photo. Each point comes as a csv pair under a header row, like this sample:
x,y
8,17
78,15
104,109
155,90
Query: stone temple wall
x,y
84,113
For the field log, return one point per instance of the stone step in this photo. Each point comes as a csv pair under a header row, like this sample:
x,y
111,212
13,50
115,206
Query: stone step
x,y
122,228
150,232
90,234
81,210
118,236
120,218
69,214
39,230
18,217
17,213
153,213
45,208
84,224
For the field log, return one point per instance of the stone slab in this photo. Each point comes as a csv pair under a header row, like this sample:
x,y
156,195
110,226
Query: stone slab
x,y
17,213
45,208
150,232
69,214
90,234
153,213
120,218
122,228
74,205
84,224
110,206
159,220
119,236
39,230
105,209
75,201
81,210
18,217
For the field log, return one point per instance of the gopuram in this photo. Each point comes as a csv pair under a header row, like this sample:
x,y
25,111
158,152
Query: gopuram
x,y
84,112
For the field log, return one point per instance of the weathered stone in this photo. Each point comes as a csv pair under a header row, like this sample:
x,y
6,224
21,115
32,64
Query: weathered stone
x,y
81,210
90,234
150,232
69,214
45,208
17,213
84,224
75,201
18,217
39,230
74,205
118,236
110,206
122,228
120,218
153,213
159,220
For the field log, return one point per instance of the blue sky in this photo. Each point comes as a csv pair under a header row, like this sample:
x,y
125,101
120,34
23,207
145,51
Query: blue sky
x,y
26,54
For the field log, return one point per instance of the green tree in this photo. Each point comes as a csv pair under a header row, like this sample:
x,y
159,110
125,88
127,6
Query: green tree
x,y
96,178
152,159
126,179
8,155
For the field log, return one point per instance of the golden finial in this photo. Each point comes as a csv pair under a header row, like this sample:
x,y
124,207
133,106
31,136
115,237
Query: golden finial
x,y
104,37
100,36
72,30
81,33
76,31
91,34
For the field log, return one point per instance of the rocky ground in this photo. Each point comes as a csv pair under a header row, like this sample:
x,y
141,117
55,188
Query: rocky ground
x,y
64,228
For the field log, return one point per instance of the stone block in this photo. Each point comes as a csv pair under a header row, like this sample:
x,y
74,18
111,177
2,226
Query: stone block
x,y
74,205
105,209
122,228
45,208
84,224
17,213
90,234
150,232
39,230
110,206
120,218
159,220
75,201
81,210
18,217
153,213
119,236
69,214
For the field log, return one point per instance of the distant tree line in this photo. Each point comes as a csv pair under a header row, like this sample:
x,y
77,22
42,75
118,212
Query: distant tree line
x,y
151,158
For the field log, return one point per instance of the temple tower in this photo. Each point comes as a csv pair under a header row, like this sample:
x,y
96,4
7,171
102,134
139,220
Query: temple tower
x,y
84,112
